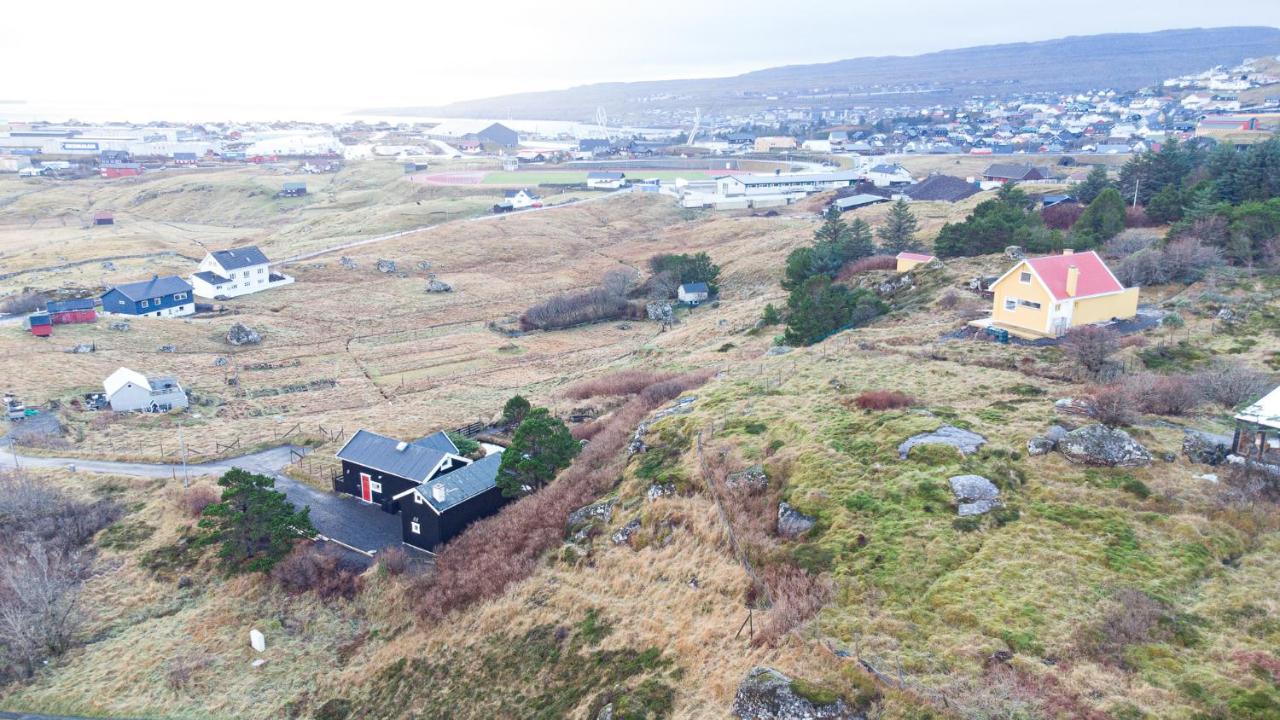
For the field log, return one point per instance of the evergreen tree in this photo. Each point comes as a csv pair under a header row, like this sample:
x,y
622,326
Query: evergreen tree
x,y
770,315
514,411
992,226
860,243
1167,206
541,447
820,308
1101,221
833,229
254,525
1093,185
899,230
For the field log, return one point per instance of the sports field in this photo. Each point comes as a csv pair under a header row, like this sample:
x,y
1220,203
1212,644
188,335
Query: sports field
x,y
559,177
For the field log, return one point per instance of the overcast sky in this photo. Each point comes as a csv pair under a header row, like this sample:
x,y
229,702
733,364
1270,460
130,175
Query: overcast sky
x,y
373,53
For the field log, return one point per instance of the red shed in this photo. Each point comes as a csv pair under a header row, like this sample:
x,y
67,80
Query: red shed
x,y
119,170
67,312
40,324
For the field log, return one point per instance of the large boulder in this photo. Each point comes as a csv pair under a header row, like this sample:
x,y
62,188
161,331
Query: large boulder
x,y
586,520
966,441
386,266
241,334
753,478
1101,445
438,286
792,522
624,533
1206,448
1044,444
975,495
766,694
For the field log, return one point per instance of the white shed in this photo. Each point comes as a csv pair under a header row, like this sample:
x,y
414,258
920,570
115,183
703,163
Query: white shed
x,y
128,391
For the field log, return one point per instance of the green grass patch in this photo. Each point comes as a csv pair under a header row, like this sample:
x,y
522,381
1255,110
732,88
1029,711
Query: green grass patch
x,y
125,535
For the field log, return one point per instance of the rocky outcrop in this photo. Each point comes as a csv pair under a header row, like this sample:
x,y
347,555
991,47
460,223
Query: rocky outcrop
x,y
347,262
1103,446
241,334
119,325
966,441
1206,448
1044,444
81,348
438,286
624,533
386,266
682,405
778,350
766,694
660,490
792,522
167,349
975,495
753,478
584,520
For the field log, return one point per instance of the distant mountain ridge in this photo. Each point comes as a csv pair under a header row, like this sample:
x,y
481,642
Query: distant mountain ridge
x,y
1120,61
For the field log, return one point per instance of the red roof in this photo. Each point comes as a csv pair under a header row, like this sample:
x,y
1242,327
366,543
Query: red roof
x,y
1095,278
914,256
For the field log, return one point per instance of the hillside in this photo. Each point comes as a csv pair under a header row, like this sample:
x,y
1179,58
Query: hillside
x,y
1120,61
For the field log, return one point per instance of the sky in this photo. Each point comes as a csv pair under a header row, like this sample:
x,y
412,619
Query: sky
x,y
376,53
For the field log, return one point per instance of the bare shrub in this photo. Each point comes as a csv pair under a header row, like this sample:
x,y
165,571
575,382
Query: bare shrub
x,y
1144,267
1111,405
1250,482
1062,216
867,264
949,300
1231,384
309,568
1090,346
797,596
619,282
1186,259
884,400
1130,617
197,498
1164,394
626,382
181,671
1136,217
505,548
580,308
1129,242
1212,230
40,588
393,561
22,303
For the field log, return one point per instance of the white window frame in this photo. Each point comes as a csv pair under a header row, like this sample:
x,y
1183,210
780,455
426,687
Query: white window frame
x,y
1029,304
417,499
374,486
1010,304
145,303
415,528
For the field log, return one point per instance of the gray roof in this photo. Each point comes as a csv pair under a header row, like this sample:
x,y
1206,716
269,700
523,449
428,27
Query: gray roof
x,y
437,441
854,201
54,306
888,169
211,277
602,175
464,483
1009,171
941,187
699,287
153,288
237,258
413,462
843,176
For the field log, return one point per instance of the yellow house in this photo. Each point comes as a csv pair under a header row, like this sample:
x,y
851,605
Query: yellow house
x,y
908,260
1046,296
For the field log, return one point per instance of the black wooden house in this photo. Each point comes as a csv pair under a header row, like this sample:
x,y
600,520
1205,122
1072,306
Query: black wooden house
x,y
437,491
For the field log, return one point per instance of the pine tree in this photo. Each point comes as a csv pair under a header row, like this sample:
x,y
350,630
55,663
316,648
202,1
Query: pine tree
x,y
1093,185
1101,221
859,244
899,230
254,525
540,448
514,411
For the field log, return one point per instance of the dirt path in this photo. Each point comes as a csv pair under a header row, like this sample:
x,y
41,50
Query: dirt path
x,y
112,258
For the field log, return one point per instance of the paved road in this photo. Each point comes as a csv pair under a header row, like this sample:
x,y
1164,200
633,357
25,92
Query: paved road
x,y
337,517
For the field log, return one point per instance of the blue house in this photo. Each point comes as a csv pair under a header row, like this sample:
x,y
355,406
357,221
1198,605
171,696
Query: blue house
x,y
168,296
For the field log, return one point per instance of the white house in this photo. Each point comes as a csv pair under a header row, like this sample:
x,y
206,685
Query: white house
x,y
783,184
889,176
693,293
129,391
231,273
520,199
606,180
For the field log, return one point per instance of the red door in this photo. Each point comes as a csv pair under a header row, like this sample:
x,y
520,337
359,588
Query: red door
x,y
365,493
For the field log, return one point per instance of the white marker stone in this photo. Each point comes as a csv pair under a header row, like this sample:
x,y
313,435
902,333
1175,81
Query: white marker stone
x,y
257,640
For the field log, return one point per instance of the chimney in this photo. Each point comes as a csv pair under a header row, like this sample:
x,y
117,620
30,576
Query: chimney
x,y
1068,251
437,492
400,446
1073,280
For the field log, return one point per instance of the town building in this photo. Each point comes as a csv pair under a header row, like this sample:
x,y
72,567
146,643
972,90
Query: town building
x,y
693,293
68,312
235,272
119,170
1257,435
168,296
1047,296
853,202
1002,173
103,217
130,391
601,180
293,189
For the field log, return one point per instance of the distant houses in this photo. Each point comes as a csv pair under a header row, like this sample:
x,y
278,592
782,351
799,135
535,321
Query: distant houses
x,y
437,492
119,170
69,312
130,391
889,176
793,183
102,217
517,200
774,142
235,272
168,296
853,202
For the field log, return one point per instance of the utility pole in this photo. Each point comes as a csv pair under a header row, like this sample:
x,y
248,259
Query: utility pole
x,y
186,478
1137,183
